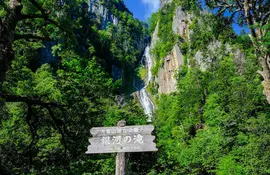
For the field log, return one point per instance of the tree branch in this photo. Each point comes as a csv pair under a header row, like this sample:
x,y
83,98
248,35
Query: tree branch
x,y
4,5
27,100
265,18
31,16
239,4
31,36
39,7
57,25
58,124
250,21
233,14
32,130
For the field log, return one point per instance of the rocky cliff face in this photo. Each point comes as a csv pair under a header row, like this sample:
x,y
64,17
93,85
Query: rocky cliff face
x,y
213,51
167,73
180,23
155,37
163,2
102,13
166,78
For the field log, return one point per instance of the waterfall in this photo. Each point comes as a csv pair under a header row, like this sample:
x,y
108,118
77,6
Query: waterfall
x,y
145,101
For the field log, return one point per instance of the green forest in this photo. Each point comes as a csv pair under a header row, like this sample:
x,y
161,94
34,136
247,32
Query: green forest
x,y
69,65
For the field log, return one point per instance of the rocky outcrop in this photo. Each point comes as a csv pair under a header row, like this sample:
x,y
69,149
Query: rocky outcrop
x,y
179,25
167,73
215,50
163,2
102,13
155,37
166,80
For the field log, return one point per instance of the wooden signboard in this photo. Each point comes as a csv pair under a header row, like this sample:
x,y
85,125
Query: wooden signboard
x,y
121,139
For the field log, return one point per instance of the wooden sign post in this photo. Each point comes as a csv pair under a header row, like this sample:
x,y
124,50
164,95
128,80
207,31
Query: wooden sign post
x,y
120,157
121,139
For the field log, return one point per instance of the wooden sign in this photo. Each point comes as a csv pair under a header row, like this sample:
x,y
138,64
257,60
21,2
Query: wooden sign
x,y
122,139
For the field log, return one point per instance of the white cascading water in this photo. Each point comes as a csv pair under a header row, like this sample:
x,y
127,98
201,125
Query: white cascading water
x,y
145,101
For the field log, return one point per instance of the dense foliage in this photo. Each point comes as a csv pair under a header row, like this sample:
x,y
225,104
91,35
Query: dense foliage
x,y
57,80
218,120
47,107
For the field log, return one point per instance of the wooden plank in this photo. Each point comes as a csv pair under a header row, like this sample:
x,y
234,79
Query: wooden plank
x,y
120,168
109,131
122,139
118,148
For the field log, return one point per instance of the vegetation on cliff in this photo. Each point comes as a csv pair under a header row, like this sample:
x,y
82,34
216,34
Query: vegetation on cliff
x,y
216,123
218,120
47,110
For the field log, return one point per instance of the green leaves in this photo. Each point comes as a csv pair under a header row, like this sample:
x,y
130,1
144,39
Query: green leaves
x,y
45,84
216,122
228,165
167,39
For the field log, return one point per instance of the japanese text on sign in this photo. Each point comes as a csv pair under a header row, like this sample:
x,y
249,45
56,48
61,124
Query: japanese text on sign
x,y
107,140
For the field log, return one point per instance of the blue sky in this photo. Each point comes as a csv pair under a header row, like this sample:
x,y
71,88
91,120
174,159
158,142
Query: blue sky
x,y
142,9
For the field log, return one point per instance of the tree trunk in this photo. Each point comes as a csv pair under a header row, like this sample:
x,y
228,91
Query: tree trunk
x,y
7,36
256,36
265,62
6,52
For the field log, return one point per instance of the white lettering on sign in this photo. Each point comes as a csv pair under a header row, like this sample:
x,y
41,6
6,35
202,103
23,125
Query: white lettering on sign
x,y
103,132
119,130
138,139
118,139
105,140
122,139
136,129
127,139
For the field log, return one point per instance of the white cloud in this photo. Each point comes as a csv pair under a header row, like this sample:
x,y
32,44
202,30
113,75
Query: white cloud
x,y
151,6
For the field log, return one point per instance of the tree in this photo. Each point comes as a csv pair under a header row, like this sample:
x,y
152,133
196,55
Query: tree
x,y
16,19
255,14
46,110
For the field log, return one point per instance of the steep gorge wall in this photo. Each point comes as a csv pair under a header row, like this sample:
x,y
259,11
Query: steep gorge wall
x,y
166,79
164,2
167,74
102,13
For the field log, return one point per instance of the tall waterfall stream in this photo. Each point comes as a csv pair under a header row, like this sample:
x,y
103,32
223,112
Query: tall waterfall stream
x,y
144,98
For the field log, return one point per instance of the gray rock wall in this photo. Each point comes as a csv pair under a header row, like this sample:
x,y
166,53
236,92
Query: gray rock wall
x,y
163,2
102,13
180,22
168,72
154,37
214,51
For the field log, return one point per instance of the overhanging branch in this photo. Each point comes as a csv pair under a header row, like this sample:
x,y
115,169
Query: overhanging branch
x,y
30,36
39,7
27,100
31,16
